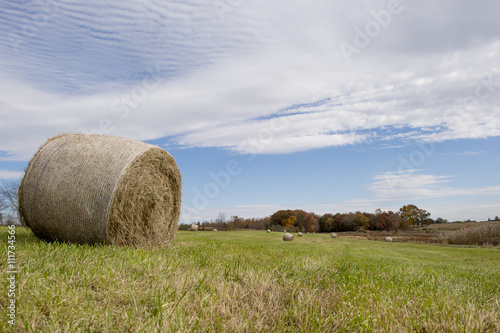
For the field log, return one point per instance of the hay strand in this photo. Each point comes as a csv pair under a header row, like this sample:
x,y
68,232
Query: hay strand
x,y
101,189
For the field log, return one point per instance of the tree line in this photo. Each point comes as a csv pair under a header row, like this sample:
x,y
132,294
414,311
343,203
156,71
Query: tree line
x,y
299,220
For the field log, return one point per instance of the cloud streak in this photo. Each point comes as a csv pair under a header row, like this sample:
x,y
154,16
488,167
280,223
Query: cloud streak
x,y
7,174
411,185
221,82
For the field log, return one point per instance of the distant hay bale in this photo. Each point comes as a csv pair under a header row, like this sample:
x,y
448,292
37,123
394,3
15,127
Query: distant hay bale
x,y
284,230
388,239
214,230
333,235
288,237
300,234
268,231
194,227
101,189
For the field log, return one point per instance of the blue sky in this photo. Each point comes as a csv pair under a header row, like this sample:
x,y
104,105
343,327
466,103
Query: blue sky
x,y
316,105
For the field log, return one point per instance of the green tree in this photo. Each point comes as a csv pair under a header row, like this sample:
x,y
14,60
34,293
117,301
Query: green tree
x,y
441,220
239,222
348,223
361,221
412,215
324,225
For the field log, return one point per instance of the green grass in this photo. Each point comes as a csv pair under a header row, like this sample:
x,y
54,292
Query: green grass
x,y
253,282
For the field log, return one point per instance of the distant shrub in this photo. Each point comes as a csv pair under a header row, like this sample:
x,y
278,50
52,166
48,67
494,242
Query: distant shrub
x,y
276,228
482,234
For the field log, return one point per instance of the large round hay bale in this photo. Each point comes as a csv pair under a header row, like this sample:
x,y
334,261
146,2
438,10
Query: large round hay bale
x,y
194,227
288,237
299,234
268,231
333,235
388,239
101,189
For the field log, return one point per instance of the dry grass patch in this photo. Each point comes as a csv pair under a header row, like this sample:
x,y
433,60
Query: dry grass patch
x,y
476,234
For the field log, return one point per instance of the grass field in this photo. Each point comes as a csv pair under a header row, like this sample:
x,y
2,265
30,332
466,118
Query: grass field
x,y
253,282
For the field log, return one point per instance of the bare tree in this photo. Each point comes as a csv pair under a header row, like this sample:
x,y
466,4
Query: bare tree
x,y
221,218
9,200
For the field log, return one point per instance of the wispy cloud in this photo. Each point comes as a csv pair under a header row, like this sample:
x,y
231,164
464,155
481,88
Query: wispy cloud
x,y
412,185
7,174
465,153
223,80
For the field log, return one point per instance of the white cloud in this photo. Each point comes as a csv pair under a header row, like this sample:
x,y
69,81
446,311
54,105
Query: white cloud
x,y
465,153
216,83
8,174
410,185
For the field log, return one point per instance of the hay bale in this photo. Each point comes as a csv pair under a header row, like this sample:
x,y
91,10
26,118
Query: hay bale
x,y
268,231
194,227
214,230
101,189
388,239
300,234
284,230
288,237
333,235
